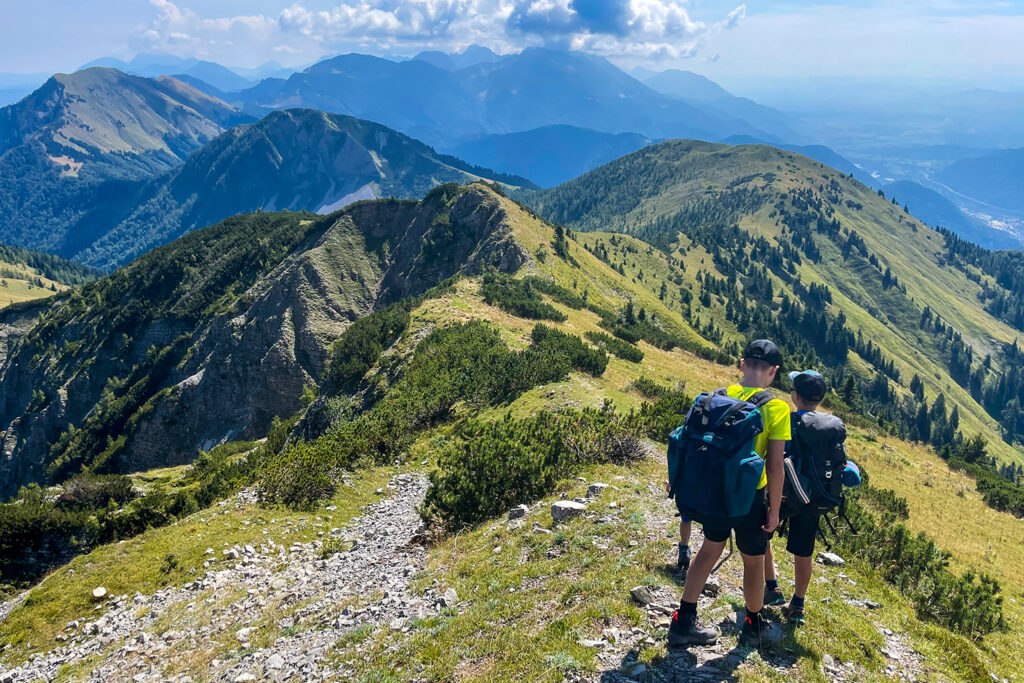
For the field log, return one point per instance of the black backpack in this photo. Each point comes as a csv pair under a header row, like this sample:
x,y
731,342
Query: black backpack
x,y
814,464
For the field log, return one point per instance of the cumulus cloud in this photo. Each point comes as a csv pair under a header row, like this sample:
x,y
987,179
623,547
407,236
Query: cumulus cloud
x,y
641,28
180,30
637,28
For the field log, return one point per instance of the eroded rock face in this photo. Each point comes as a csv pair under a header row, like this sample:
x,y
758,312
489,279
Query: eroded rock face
x,y
236,370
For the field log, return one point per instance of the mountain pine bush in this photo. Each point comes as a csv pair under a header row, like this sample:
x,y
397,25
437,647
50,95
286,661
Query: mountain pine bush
x,y
487,467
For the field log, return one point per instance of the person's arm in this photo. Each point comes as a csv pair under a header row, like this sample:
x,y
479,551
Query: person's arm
x,y
773,465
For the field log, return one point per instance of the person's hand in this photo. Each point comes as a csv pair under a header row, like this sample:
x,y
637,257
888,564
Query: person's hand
x,y
772,523
668,489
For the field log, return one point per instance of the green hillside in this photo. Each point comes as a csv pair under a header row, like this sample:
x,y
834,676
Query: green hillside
x,y
776,230
27,275
555,358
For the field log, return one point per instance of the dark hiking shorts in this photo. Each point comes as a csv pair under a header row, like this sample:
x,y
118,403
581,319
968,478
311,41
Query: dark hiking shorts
x,y
802,530
750,538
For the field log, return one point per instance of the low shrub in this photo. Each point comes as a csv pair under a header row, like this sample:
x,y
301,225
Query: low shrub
x,y
969,604
648,387
619,347
466,363
486,467
517,297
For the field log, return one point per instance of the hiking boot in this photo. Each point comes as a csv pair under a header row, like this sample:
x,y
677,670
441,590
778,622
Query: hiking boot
x,y
686,630
773,597
793,614
683,563
761,633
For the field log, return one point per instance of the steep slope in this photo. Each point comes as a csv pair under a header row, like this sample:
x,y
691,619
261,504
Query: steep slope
x,y
211,337
537,87
994,179
79,130
551,154
291,160
894,307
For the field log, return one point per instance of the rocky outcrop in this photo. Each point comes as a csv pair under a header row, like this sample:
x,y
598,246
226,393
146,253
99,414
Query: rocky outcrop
x,y
228,376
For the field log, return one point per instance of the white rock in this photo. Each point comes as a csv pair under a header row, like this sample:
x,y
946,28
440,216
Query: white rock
x,y
831,559
596,490
642,594
245,678
518,512
565,509
450,598
712,587
243,633
99,592
275,662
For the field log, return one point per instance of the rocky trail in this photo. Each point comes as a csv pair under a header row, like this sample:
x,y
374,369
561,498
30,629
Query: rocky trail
x,y
310,601
300,612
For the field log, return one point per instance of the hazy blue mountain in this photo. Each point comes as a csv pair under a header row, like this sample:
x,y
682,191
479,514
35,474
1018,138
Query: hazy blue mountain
x,y
537,87
932,208
453,61
266,70
697,89
996,179
153,65
551,154
687,85
413,97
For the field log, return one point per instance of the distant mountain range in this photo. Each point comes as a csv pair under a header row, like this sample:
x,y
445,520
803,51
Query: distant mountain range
x,y
101,166
437,98
220,77
549,155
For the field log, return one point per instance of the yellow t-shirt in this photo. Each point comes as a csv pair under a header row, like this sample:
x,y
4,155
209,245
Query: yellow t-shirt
x,y
776,422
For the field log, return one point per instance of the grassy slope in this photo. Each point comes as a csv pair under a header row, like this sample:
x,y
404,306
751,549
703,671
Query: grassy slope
x,y
533,630
912,250
20,289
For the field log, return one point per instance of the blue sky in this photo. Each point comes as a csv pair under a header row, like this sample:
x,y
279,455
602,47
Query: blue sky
x,y
735,42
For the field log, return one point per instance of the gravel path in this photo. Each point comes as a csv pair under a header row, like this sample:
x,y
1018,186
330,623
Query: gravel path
x,y
312,601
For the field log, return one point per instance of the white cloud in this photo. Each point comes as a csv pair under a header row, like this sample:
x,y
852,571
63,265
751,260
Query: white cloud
x,y
641,29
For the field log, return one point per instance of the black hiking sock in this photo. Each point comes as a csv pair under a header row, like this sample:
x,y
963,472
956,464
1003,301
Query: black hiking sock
x,y
687,607
772,584
754,617
796,601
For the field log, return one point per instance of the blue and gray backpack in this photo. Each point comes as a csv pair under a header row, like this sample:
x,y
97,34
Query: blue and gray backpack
x,y
713,471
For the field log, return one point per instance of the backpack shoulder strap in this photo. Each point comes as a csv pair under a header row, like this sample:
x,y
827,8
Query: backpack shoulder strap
x,y
761,398
722,391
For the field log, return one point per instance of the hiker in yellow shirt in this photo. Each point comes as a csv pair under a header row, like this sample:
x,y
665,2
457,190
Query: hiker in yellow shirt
x,y
759,365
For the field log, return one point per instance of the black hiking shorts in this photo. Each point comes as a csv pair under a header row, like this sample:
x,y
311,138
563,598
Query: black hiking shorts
x,y
751,539
802,531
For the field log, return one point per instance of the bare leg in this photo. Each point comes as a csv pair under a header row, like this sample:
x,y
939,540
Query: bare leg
x,y
700,569
769,563
753,581
802,569
685,529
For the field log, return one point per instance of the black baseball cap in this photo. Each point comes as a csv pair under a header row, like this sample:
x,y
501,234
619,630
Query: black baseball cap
x,y
809,384
764,350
